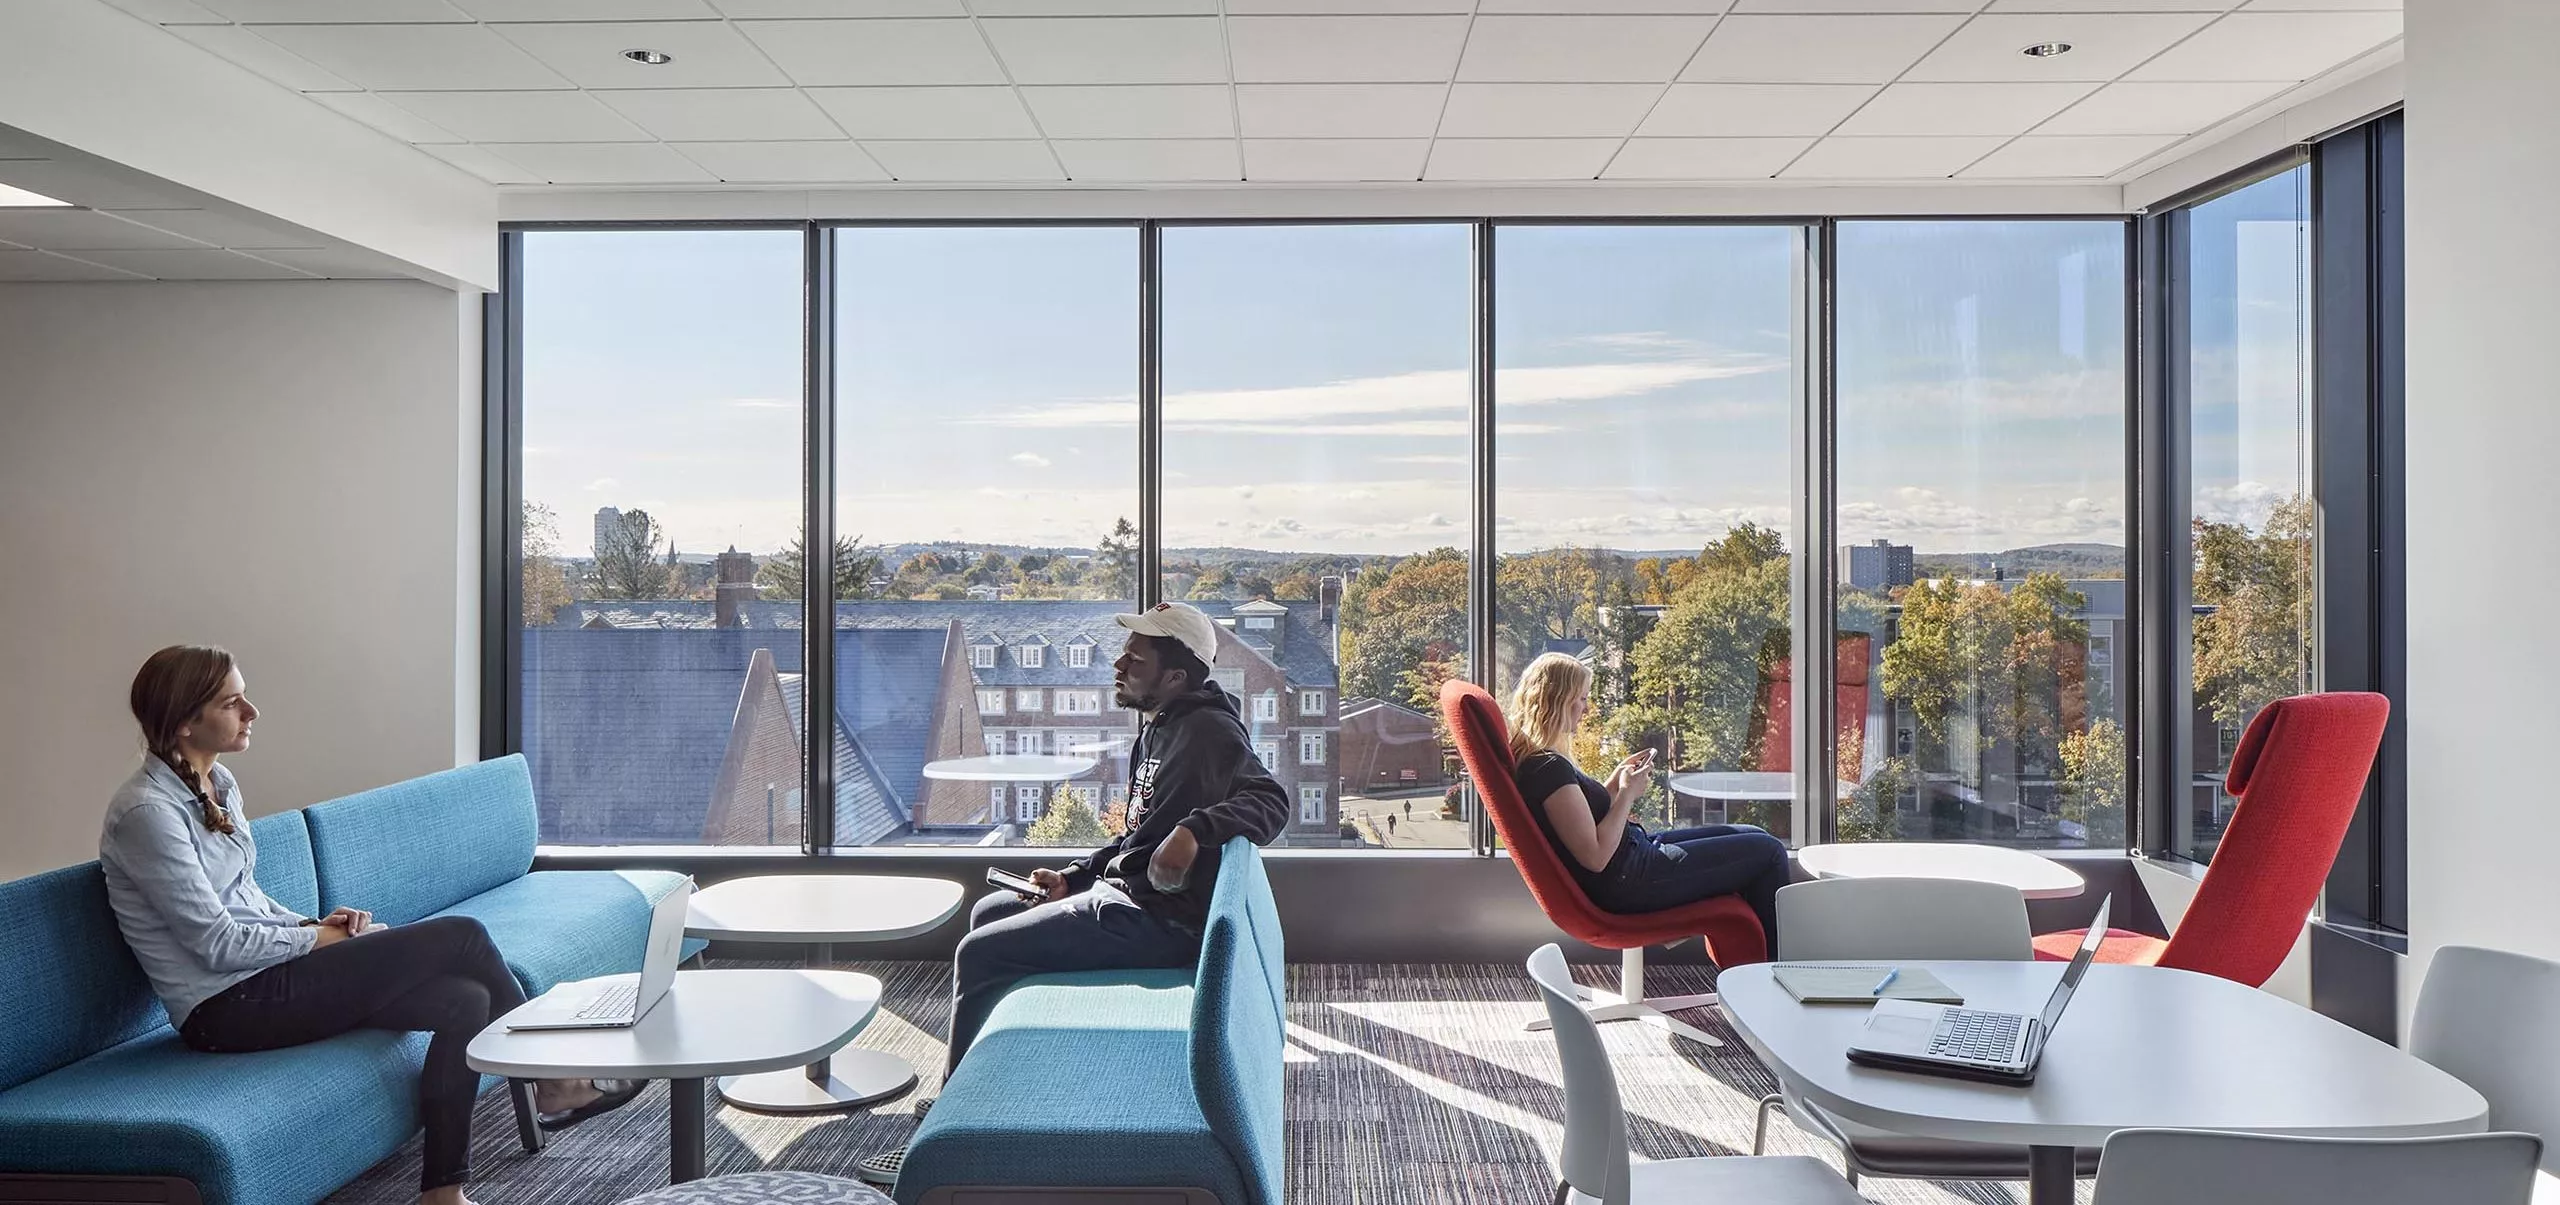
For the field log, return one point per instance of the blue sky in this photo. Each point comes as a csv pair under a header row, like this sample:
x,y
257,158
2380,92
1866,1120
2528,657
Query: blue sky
x,y
1316,383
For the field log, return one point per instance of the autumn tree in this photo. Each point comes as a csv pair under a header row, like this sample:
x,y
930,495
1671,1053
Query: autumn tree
x,y
1068,822
1872,812
544,583
2255,645
782,578
1543,596
1700,672
2093,771
626,563
1993,658
1396,619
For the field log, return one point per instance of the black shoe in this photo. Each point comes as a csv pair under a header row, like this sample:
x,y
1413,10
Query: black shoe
x,y
882,1169
616,1093
924,1105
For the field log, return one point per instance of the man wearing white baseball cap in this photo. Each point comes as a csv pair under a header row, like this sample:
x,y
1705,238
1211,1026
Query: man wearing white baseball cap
x,y
1140,901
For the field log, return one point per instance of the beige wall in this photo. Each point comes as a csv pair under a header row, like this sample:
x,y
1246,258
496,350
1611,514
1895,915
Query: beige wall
x,y
272,467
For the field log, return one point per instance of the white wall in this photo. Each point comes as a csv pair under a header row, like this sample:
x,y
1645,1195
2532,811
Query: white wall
x,y
272,467
2483,309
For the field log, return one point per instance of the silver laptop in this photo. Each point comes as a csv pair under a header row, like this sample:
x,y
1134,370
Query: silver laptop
x,y
618,1003
1973,1043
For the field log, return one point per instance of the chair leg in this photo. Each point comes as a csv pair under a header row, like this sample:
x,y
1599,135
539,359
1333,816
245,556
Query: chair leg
x,y
520,1091
1629,1003
1760,1125
1564,1193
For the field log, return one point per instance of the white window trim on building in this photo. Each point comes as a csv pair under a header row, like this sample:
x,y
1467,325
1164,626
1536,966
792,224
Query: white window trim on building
x,y
991,702
1031,655
1030,742
1079,656
1266,707
1259,623
995,742
1311,702
982,656
995,802
1311,805
1267,752
1026,700
1311,748
1027,799
1079,702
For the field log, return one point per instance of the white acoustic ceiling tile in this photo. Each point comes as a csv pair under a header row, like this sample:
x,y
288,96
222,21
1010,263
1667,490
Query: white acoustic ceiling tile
x,y
705,54
1607,7
2136,108
2067,158
927,112
339,264
81,230
203,263
1856,6
416,57
724,114
1339,110
1111,50
1134,111
36,266
1753,110
1546,110
837,162
1168,160
334,12
520,116
387,117
171,12
1344,8
1580,49
2324,5
967,162
244,47
224,229
2258,46
874,52
1941,109
80,184
589,10
1371,49
1839,158
1816,49
1704,158
1334,159
602,162
786,10
484,163
1519,158
2103,45
2115,6
1095,8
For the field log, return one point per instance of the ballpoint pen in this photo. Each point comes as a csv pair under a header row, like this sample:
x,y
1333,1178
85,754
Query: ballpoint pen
x,y
1885,982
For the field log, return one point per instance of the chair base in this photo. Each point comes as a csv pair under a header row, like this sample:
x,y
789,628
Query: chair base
x,y
1604,1006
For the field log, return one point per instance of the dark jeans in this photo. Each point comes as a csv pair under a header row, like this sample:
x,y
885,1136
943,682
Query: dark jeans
x,y
1691,864
441,975
1098,929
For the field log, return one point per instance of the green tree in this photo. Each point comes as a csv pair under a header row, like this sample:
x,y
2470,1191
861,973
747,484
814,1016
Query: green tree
x,y
2255,645
626,564
1871,813
1115,562
1543,596
2093,768
1068,822
1992,658
1399,618
545,583
781,578
1748,546
1699,673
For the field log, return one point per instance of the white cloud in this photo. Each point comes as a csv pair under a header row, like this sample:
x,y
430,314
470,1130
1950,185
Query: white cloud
x,y
603,483
1030,459
1641,341
765,403
1427,458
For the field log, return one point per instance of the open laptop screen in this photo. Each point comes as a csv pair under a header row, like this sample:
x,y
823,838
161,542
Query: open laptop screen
x,y
2080,961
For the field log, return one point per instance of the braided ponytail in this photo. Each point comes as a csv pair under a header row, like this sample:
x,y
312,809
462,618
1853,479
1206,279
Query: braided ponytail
x,y
173,686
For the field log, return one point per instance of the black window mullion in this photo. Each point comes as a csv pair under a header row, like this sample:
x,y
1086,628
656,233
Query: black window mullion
x,y
502,505
818,544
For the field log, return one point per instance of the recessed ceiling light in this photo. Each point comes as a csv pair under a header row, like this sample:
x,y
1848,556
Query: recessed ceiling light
x,y
19,198
654,58
2046,50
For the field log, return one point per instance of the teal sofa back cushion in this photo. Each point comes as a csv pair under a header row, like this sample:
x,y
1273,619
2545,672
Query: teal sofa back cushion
x,y
412,849
1239,1020
68,986
285,871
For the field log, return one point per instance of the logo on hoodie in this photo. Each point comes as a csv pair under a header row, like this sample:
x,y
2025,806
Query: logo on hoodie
x,y
1142,790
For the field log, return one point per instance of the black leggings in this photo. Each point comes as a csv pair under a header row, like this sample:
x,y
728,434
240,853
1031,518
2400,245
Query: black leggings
x,y
440,974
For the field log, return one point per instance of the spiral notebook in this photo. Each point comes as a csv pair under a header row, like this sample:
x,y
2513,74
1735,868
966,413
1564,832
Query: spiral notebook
x,y
1840,984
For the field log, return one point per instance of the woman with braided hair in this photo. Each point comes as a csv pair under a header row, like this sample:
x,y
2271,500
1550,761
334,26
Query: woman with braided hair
x,y
239,971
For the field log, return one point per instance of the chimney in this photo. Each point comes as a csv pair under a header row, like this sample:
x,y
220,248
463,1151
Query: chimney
x,y
736,583
1329,594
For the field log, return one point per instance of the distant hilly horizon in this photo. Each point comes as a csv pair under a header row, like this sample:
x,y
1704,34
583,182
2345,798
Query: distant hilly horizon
x,y
2034,558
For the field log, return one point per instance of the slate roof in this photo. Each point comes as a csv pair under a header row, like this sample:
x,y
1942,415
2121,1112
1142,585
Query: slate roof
x,y
868,810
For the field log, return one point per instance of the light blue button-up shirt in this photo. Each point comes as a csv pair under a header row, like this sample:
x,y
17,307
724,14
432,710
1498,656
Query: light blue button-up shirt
x,y
187,896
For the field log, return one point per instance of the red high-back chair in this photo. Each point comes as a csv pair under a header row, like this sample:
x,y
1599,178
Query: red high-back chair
x,y
1731,930
2298,773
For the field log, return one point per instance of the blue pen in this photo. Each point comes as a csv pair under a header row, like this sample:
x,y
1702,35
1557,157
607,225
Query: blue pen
x,y
1885,982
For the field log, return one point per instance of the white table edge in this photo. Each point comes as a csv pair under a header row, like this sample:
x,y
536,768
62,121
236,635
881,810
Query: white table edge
x,y
2078,886
959,897
517,1069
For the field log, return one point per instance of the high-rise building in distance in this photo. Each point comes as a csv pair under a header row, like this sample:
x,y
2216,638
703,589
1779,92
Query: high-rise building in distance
x,y
1876,565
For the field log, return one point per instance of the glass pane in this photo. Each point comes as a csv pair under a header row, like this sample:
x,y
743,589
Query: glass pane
x,y
2248,377
1979,592
1642,394
662,452
986,498
1316,501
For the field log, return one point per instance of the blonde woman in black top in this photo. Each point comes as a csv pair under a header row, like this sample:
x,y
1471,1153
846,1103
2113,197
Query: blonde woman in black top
x,y
1622,867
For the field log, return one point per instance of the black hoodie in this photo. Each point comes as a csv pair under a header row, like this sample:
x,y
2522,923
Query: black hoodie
x,y
1192,767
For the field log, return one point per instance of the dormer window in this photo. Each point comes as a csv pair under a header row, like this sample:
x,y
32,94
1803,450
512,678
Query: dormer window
x,y
1031,655
982,656
1079,656
1259,623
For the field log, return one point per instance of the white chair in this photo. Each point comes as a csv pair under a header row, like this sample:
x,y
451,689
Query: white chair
x,y
1596,1161
2205,1167
2484,1017
1888,920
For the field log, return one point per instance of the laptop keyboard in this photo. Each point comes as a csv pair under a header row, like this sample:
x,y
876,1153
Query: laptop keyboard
x,y
1970,1033
612,1002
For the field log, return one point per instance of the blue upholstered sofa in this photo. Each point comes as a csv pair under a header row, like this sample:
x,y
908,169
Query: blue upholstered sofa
x,y
94,1082
1162,1084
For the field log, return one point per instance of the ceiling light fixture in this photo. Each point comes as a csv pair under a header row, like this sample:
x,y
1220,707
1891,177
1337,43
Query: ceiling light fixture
x,y
654,58
2046,50
19,198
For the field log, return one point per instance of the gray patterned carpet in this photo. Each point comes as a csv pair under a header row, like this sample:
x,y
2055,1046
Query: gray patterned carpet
x,y
1405,1084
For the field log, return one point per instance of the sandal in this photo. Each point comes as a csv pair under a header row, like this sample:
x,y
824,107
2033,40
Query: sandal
x,y
882,1169
615,1093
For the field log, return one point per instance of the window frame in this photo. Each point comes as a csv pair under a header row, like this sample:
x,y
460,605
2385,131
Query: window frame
x,y
995,694
982,656
1312,803
1030,700
1310,702
1079,656
1312,747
